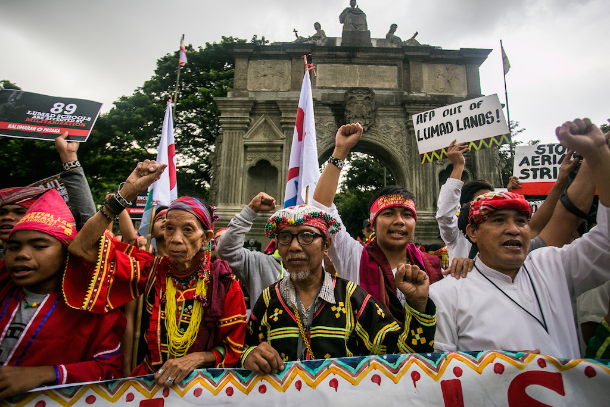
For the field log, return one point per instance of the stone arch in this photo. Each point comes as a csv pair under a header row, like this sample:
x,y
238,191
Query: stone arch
x,y
388,158
262,176
445,173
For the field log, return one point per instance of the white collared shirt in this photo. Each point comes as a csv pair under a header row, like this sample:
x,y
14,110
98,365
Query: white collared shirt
x,y
474,315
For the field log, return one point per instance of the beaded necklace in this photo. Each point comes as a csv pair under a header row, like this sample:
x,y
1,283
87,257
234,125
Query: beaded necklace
x,y
302,331
179,342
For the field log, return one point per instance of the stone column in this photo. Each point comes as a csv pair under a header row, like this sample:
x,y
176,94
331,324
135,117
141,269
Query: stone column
x,y
288,108
234,122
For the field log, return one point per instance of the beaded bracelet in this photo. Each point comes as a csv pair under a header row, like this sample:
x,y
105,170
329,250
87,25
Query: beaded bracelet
x,y
103,212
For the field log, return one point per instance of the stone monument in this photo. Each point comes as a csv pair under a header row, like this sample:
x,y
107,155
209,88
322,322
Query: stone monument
x,y
355,30
381,87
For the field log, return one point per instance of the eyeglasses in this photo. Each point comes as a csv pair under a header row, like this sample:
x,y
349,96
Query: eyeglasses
x,y
304,238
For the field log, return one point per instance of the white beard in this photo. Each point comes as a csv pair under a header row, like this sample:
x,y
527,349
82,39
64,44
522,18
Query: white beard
x,y
300,275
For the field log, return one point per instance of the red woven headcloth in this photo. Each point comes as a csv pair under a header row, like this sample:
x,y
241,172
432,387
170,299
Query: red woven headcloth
x,y
50,215
484,205
195,208
22,196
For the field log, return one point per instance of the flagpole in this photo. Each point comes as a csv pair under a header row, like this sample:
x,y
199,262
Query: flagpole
x,y
140,308
176,92
177,82
505,91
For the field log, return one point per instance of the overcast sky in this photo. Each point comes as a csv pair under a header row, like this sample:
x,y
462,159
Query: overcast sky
x,y
101,50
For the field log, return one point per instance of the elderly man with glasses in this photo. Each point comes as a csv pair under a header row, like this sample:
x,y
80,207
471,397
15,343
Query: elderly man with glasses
x,y
311,314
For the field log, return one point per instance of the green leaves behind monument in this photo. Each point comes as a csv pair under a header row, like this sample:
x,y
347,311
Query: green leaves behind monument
x,y
130,131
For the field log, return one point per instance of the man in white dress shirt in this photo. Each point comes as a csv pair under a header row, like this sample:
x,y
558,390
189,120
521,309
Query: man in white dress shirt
x,y
513,300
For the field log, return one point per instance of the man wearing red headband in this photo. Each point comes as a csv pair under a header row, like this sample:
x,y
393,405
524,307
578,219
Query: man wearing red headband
x,y
517,301
42,339
393,216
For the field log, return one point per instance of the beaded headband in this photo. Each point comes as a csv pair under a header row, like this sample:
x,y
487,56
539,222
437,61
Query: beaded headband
x,y
301,215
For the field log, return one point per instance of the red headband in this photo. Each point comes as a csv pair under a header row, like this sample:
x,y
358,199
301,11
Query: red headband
x,y
162,212
50,215
484,205
388,201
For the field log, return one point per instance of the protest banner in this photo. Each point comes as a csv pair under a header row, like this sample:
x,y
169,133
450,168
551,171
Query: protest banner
x,y
54,182
136,208
457,379
32,115
479,121
537,167
534,205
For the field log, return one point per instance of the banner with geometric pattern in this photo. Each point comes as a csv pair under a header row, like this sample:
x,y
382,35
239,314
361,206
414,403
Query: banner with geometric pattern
x,y
457,379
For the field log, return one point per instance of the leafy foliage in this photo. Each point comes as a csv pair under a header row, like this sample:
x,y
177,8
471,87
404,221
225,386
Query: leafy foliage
x,y
6,84
364,176
130,131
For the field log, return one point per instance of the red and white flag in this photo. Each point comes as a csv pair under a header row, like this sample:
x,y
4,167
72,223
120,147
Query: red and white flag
x,y
182,52
164,190
303,169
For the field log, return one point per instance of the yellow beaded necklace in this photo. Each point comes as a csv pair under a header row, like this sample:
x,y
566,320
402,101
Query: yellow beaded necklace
x,y
179,342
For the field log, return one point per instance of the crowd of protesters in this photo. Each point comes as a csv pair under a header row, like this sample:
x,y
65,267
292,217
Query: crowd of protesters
x,y
500,279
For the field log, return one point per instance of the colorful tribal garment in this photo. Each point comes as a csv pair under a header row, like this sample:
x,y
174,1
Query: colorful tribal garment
x,y
356,325
124,273
81,346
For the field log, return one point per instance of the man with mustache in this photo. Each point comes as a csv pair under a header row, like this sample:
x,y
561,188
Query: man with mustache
x,y
310,314
513,300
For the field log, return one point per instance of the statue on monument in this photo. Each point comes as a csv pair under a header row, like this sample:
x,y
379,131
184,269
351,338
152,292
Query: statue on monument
x,y
412,41
352,18
394,39
319,38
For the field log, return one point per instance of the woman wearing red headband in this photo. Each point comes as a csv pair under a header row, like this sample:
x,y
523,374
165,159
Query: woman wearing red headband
x,y
393,216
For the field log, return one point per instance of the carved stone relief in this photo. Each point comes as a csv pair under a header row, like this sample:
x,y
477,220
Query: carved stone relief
x,y
445,79
360,107
346,76
326,128
270,75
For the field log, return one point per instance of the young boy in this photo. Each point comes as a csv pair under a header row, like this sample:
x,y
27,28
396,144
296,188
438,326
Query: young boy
x,y
42,340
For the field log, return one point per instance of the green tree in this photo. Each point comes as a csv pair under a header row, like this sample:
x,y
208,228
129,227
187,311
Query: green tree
x,y
6,84
364,176
130,131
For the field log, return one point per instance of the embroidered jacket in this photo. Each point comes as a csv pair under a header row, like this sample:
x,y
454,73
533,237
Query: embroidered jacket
x,y
355,325
81,346
124,272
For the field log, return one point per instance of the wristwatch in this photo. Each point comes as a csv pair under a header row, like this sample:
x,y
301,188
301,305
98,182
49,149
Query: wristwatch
x,y
70,165
336,162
